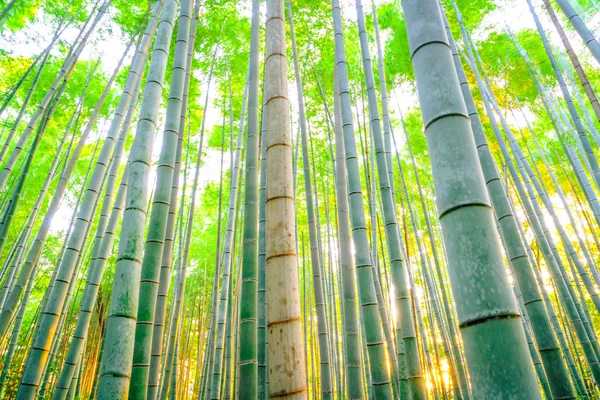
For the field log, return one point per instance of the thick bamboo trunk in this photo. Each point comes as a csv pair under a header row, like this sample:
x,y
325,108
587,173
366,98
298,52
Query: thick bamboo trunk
x,y
286,359
95,273
263,374
523,271
488,320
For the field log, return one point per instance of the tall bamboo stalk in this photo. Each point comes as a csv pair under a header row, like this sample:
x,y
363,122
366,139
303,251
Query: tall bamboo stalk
x,y
522,270
228,259
472,246
587,87
120,329
248,313
263,374
373,336
286,359
159,214
544,241
351,329
319,281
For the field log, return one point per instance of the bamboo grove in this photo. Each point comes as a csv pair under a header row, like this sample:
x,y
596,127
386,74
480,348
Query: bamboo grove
x,y
299,199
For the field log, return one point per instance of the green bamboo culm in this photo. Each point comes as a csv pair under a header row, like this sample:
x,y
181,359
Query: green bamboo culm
x,y
373,335
404,321
398,363
24,239
104,232
228,260
449,338
489,321
207,383
570,300
544,240
51,312
157,224
263,373
248,312
583,79
573,113
117,361
52,93
351,328
522,269
316,259
167,252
